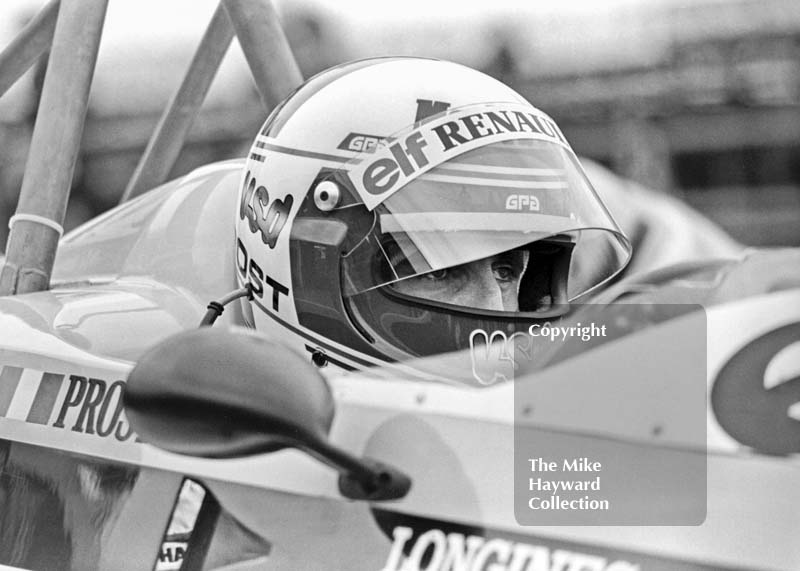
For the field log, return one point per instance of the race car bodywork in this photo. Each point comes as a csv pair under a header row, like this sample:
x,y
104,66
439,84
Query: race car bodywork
x,y
80,490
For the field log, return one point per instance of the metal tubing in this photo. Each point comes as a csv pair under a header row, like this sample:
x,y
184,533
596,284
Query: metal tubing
x,y
165,144
54,147
265,46
23,51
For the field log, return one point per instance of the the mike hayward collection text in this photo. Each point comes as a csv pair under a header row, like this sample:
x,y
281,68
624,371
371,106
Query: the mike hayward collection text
x,y
553,484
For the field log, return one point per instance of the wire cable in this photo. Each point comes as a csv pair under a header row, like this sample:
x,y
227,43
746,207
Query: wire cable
x,y
215,308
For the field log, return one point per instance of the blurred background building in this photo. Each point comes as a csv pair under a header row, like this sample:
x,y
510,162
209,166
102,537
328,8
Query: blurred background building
x,y
698,98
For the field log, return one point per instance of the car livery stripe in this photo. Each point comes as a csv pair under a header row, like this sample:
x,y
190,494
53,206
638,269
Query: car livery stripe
x,y
45,399
9,379
21,403
28,394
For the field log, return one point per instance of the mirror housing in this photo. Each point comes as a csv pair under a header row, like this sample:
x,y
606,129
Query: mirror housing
x,y
219,394
225,394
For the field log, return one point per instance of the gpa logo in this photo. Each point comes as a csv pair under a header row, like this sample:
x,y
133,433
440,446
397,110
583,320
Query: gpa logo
x,y
360,143
522,202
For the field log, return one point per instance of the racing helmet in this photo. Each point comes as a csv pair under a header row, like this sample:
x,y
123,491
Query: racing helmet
x,y
386,170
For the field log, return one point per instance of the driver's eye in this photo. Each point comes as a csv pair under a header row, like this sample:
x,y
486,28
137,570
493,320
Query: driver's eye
x,y
436,275
504,272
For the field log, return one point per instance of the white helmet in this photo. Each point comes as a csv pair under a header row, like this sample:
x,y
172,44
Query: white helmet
x,y
388,169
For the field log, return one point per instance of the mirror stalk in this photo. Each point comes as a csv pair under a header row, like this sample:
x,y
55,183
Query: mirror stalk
x,y
360,478
216,393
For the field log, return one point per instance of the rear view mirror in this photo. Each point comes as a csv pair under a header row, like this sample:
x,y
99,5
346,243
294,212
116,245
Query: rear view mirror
x,y
216,394
225,394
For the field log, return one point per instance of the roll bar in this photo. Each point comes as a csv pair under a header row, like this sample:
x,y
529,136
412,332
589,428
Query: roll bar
x,y
71,30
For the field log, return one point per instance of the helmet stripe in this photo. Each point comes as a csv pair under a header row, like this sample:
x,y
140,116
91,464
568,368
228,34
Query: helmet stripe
x,y
310,337
307,154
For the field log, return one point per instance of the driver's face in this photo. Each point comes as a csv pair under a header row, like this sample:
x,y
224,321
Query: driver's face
x,y
490,283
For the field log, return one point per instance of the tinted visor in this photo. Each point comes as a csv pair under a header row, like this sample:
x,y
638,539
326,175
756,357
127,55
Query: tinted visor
x,y
491,200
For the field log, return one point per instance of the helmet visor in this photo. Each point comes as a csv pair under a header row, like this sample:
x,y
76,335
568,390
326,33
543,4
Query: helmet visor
x,y
485,202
